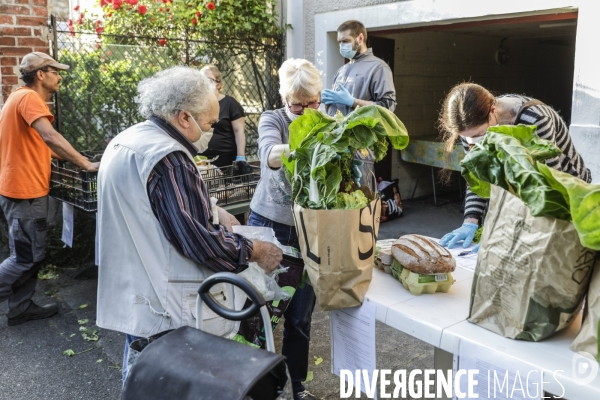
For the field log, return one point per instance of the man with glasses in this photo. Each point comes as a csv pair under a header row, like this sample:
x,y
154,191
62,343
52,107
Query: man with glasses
x,y
27,143
363,81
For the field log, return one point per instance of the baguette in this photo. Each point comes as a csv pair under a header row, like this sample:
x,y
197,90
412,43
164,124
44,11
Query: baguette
x,y
422,255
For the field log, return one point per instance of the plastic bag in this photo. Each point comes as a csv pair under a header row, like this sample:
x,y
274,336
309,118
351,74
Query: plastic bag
x,y
265,283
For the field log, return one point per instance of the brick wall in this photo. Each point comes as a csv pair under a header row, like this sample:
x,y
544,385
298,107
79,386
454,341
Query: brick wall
x,y
23,29
428,64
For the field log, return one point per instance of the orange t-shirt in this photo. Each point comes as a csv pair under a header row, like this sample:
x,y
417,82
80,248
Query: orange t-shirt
x,y
24,156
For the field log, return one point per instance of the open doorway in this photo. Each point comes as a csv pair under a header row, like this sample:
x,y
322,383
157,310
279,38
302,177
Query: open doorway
x,y
533,56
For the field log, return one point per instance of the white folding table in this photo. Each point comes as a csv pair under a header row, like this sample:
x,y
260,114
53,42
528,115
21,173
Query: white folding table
x,y
440,320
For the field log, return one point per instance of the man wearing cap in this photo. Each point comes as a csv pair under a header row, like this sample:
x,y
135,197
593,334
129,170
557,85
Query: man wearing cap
x,y
27,143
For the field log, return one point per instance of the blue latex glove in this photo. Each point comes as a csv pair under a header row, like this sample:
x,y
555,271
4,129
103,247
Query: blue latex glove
x,y
341,96
240,158
466,233
476,248
356,174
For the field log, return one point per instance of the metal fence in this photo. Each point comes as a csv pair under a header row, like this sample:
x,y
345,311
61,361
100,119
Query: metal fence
x,y
96,99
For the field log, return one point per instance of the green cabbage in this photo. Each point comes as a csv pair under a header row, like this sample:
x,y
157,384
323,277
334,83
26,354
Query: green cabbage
x,y
506,157
584,203
322,149
351,201
510,157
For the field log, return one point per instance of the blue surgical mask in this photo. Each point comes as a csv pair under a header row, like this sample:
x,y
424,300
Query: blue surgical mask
x,y
346,50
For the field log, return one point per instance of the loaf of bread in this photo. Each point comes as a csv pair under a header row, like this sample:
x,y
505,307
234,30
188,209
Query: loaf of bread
x,y
422,255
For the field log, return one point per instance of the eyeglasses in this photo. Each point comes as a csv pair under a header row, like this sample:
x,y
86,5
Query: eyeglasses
x,y
214,80
299,108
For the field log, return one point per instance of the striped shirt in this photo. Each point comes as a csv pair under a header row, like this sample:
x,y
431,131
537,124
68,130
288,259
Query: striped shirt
x,y
180,201
550,126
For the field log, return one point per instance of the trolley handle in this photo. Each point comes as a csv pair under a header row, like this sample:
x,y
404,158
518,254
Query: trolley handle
x,y
227,277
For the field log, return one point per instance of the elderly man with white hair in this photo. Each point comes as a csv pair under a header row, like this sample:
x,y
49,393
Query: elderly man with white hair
x,y
157,238
300,88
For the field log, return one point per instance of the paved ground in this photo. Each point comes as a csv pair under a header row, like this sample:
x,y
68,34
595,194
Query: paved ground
x,y
32,364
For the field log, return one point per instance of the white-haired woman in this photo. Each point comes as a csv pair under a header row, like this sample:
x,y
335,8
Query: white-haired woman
x,y
228,140
300,88
157,239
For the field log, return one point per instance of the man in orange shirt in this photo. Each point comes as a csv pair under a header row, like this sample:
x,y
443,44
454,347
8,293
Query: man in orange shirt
x,y
27,143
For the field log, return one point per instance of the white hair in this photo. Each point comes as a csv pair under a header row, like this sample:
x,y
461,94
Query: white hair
x,y
172,90
299,80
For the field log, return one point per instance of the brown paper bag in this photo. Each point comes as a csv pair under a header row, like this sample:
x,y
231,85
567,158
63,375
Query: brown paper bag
x,y
338,248
587,338
532,273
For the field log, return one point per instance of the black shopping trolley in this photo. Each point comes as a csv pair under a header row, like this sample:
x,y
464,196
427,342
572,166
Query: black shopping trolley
x,y
188,363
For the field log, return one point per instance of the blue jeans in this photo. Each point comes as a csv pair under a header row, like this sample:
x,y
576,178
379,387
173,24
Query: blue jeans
x,y
298,315
128,340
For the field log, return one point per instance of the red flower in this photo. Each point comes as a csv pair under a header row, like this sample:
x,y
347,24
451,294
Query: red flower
x,y
162,42
98,22
99,30
109,15
194,21
198,14
210,6
76,8
142,9
117,4
132,2
167,10
70,22
104,2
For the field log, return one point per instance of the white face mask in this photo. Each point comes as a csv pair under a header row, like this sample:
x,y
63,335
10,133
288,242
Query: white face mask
x,y
202,143
290,114
473,140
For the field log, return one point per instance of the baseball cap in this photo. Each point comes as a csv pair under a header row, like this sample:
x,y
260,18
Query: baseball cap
x,y
37,60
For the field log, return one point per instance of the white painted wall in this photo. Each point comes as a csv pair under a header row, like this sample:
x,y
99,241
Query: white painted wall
x,y
296,34
585,122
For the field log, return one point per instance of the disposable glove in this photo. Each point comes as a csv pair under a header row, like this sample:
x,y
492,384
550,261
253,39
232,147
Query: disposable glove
x,y
476,248
466,233
356,174
341,96
240,158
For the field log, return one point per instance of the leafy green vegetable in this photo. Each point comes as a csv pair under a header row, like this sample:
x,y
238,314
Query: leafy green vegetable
x,y
584,203
509,157
351,201
539,149
503,159
322,149
478,232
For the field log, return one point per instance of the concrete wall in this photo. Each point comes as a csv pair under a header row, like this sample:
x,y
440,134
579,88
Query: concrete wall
x,y
23,29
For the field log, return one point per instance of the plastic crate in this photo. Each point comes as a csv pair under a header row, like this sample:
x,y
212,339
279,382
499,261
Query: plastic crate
x,y
74,186
229,186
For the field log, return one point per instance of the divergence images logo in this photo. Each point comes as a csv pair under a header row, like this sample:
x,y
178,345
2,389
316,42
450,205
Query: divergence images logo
x,y
585,368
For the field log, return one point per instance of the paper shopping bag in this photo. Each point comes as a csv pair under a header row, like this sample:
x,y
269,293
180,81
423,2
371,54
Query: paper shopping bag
x,y
532,272
588,337
338,248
